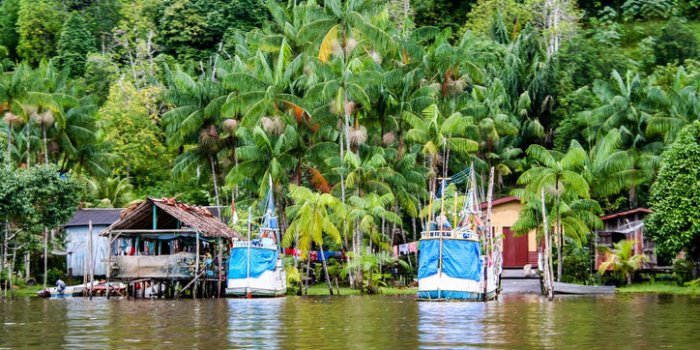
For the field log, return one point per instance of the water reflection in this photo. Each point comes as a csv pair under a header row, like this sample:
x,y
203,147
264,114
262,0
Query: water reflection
x,y
255,323
86,323
358,322
451,325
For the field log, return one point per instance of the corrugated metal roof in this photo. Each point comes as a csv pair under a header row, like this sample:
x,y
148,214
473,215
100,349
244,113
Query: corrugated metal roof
x,y
626,212
98,216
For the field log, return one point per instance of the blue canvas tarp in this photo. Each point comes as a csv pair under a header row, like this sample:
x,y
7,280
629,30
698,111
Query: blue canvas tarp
x,y
261,260
428,256
460,259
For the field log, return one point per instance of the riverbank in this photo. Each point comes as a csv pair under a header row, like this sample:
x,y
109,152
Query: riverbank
x,y
658,288
23,291
322,289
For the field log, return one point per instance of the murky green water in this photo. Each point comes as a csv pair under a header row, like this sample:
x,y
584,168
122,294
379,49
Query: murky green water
x,y
373,322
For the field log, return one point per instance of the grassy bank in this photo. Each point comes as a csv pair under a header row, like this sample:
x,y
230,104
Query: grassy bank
x,y
322,289
24,291
659,288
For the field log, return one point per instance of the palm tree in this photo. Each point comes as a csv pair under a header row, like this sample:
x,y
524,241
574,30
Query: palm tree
x,y
625,105
434,132
622,259
559,174
193,121
312,213
342,27
407,181
609,169
266,88
111,192
370,214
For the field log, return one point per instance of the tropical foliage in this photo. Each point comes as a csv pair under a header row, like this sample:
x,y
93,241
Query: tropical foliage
x,y
353,109
622,260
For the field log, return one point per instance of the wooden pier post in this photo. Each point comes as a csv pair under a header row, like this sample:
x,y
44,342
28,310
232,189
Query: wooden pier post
x,y
220,258
108,273
91,263
196,267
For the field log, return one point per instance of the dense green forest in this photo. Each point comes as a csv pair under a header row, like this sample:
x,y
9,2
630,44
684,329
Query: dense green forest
x,y
353,108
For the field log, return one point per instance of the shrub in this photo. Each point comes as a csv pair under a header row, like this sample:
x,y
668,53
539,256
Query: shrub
x,y
647,9
682,271
577,267
675,44
53,275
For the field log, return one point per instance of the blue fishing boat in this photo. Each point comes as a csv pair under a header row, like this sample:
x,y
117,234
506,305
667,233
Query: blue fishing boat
x,y
458,260
255,267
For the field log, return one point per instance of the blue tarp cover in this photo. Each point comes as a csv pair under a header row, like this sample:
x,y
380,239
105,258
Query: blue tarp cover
x,y
460,258
429,254
261,260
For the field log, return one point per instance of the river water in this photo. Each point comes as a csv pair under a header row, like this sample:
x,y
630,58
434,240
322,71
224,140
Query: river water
x,y
358,322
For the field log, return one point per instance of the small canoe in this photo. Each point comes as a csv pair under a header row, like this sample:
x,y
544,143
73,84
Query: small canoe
x,y
570,288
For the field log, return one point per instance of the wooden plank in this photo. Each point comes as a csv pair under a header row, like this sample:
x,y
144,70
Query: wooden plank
x,y
570,288
158,231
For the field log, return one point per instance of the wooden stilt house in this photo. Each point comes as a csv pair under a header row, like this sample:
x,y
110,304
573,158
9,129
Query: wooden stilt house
x,y
168,247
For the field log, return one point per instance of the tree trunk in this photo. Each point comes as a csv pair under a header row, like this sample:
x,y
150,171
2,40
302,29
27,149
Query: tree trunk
x,y
560,236
28,145
357,242
46,146
371,268
216,187
9,146
308,273
46,256
3,257
549,288
27,265
325,270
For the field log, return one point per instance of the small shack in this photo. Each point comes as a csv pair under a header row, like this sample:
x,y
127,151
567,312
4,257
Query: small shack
x,y
627,225
169,244
78,239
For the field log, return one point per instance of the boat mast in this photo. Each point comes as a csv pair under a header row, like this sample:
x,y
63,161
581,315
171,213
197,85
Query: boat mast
x,y
270,213
488,245
442,217
247,275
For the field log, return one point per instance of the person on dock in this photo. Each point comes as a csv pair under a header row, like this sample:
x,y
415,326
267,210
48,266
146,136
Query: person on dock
x,y
60,286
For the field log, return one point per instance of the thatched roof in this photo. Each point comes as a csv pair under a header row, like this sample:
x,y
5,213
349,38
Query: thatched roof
x,y
139,216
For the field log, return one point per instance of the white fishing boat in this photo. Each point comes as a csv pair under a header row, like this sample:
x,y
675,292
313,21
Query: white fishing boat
x,y
255,267
458,260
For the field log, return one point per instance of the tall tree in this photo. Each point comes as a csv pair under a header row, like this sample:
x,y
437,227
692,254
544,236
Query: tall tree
x,y
74,43
312,222
38,25
193,124
674,223
9,37
559,174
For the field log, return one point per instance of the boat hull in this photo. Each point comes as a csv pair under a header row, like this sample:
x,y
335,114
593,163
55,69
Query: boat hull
x,y
269,284
451,295
264,277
